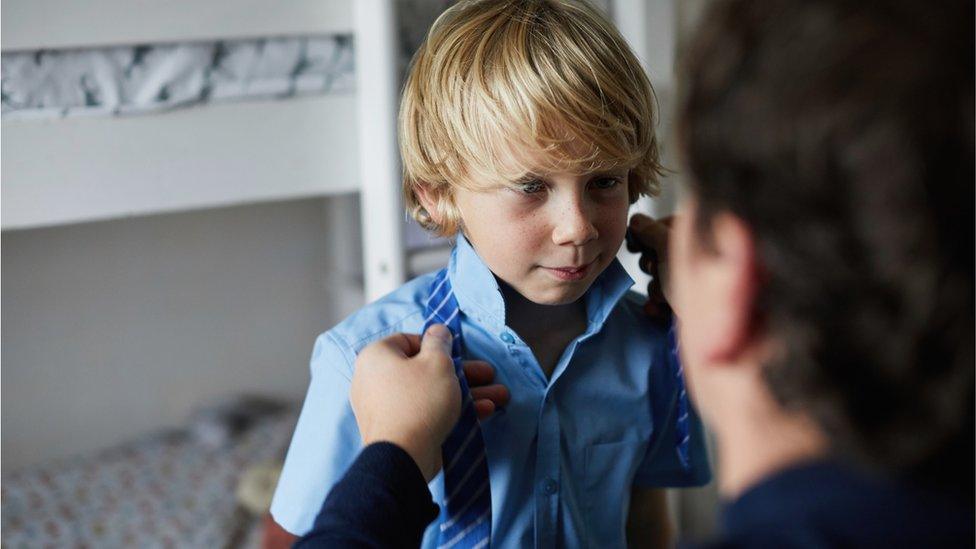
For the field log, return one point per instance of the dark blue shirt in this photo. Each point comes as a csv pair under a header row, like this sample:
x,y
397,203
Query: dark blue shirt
x,y
826,504
382,501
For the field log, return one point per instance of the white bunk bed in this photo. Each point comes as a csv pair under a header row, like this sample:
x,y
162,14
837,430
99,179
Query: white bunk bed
x,y
82,169
66,170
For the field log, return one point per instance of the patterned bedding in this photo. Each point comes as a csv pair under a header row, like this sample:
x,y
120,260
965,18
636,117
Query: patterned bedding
x,y
150,78
166,490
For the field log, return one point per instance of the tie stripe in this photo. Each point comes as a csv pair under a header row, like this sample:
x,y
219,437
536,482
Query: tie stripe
x,y
460,451
460,512
434,313
460,483
681,425
480,542
436,289
466,510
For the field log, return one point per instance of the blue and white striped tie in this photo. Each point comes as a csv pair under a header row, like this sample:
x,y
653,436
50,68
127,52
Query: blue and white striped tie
x,y
466,512
681,425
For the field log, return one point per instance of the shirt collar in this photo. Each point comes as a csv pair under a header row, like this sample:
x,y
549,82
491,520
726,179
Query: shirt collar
x,y
479,296
605,292
474,285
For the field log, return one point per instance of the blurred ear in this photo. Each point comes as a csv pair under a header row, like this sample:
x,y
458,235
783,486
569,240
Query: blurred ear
x,y
732,276
428,199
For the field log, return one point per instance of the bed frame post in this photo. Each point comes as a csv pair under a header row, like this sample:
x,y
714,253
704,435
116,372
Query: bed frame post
x,y
379,167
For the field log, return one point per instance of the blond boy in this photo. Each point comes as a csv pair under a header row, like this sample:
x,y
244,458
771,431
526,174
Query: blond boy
x,y
527,130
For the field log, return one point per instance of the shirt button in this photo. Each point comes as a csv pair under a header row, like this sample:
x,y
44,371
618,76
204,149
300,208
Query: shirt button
x,y
507,337
549,487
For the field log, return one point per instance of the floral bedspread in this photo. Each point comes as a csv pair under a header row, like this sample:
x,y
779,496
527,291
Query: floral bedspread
x,y
167,490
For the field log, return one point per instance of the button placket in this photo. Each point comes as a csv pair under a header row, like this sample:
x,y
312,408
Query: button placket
x,y
547,473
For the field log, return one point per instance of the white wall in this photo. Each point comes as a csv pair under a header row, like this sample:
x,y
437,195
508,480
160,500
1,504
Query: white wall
x,y
112,329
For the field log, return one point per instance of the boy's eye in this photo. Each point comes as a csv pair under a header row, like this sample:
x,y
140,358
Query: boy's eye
x,y
531,187
604,183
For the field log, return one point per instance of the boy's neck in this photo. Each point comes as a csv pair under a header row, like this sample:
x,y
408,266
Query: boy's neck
x,y
547,329
527,317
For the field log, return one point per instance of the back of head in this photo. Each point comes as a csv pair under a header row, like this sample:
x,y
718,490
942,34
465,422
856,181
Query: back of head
x,y
842,133
499,84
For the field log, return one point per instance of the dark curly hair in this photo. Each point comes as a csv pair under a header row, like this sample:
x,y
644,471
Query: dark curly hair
x,y
842,133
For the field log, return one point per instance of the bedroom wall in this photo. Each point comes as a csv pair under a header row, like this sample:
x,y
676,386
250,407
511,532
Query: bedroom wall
x,y
113,329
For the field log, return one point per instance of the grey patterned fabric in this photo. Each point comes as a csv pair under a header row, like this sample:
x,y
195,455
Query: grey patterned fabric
x,y
151,78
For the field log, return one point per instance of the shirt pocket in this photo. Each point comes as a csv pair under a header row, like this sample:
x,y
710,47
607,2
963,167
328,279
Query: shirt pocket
x,y
609,470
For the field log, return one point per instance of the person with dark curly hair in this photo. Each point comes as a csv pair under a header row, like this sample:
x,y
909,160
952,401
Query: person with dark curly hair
x,y
821,267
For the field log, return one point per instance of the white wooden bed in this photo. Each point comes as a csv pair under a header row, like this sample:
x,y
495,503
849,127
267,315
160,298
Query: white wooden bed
x,y
85,169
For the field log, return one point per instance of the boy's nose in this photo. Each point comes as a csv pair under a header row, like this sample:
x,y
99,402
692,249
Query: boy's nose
x,y
574,227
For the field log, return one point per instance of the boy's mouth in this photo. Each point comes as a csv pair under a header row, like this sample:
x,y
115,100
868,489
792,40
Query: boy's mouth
x,y
570,272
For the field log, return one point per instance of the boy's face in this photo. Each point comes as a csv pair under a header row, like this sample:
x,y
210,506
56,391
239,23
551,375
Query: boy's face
x,y
552,235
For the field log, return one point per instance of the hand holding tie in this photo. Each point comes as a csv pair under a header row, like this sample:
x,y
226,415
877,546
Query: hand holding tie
x,y
405,391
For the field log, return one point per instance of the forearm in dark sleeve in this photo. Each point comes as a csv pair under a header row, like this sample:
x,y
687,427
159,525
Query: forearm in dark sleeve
x,y
382,501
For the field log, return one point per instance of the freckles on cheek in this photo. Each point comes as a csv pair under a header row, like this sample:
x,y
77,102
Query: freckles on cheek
x,y
523,223
613,223
519,241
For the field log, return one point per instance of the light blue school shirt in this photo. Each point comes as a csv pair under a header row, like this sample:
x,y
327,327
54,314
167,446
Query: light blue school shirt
x,y
563,454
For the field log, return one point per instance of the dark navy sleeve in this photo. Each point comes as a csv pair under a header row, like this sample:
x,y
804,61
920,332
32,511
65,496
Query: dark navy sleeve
x,y
381,501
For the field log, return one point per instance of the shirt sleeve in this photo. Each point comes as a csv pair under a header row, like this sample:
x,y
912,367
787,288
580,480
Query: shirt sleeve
x,y
662,467
326,439
382,501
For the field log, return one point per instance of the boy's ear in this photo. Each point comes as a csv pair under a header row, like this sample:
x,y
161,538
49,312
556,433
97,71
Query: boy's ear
x,y
429,201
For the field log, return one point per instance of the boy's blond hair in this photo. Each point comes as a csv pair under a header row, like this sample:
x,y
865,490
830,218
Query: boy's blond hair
x,y
499,84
